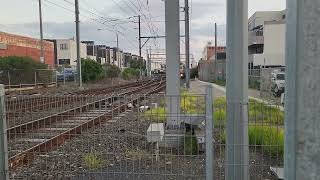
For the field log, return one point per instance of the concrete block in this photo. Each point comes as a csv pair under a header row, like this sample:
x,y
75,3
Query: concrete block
x,y
155,132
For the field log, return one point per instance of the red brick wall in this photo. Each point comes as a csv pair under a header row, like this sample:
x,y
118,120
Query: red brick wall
x,y
212,50
25,46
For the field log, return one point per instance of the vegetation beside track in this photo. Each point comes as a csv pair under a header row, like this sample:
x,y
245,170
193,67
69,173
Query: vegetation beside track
x,y
265,121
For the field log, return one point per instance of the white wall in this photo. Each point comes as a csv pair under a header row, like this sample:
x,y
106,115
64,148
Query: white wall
x,y
71,51
63,54
260,17
274,43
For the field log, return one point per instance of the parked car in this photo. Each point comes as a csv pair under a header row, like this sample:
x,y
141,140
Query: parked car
x,y
277,83
66,75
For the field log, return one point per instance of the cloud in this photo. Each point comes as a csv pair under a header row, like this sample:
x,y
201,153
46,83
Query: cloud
x,y
59,24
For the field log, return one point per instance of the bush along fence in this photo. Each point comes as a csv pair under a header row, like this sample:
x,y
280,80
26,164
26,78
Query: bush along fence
x,y
21,72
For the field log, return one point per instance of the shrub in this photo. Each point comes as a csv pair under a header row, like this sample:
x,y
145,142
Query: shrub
x,y
111,71
91,70
23,63
22,70
194,73
130,73
190,145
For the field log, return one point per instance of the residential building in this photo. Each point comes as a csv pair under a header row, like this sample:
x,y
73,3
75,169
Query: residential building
x,y
266,39
113,59
101,53
127,57
16,45
66,51
91,54
210,50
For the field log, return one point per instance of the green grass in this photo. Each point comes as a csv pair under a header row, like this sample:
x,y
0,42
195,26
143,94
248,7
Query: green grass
x,y
219,82
271,139
258,112
262,113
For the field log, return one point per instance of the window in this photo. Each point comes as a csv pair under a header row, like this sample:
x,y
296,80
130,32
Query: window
x,y
280,76
63,46
64,61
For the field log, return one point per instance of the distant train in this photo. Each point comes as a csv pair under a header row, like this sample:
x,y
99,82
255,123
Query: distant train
x,y
182,71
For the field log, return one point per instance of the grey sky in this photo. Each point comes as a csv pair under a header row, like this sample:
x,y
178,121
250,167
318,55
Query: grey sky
x,y
21,17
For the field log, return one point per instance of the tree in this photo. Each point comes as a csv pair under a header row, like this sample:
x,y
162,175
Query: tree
x,y
130,73
111,71
194,73
91,70
137,64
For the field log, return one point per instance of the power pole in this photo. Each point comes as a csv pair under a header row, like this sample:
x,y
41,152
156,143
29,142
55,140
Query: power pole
x,y
172,62
215,40
117,41
187,38
215,52
78,43
41,34
139,21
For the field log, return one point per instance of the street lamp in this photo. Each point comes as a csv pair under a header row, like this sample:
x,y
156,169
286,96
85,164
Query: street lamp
x,y
112,41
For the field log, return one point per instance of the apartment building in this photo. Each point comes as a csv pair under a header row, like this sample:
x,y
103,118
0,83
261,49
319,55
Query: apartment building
x,y
91,50
266,38
65,51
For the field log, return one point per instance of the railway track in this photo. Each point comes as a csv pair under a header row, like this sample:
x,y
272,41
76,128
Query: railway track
x,y
45,134
42,102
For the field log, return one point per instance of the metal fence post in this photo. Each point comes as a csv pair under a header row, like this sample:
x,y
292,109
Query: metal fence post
x,y
237,145
209,134
3,137
35,78
9,80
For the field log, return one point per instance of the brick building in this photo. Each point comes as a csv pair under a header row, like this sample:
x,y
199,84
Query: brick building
x,y
15,45
210,50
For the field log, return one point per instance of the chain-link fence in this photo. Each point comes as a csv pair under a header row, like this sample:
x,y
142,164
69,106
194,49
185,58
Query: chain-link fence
x,y
105,137
120,136
24,79
254,78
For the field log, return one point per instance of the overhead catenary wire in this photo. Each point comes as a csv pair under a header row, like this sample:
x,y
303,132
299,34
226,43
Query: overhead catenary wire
x,y
94,20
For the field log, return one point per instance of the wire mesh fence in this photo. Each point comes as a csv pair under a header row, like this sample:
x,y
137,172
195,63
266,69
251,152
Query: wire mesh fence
x,y
19,79
265,135
127,137
104,137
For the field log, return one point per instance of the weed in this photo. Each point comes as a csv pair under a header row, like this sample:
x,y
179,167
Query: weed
x,y
92,161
